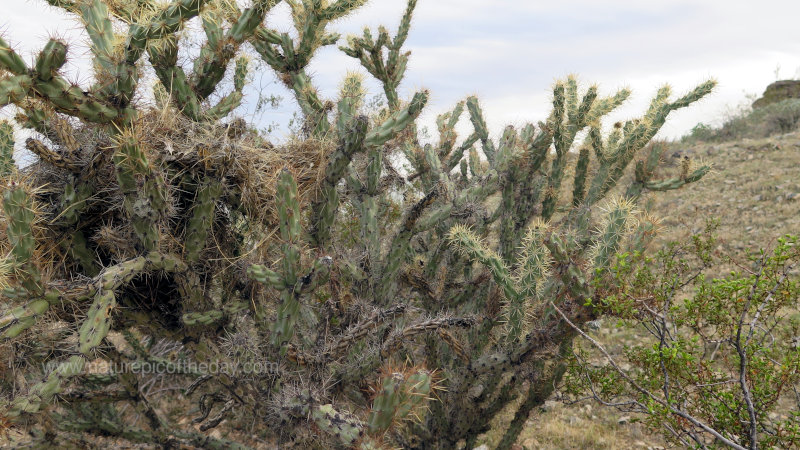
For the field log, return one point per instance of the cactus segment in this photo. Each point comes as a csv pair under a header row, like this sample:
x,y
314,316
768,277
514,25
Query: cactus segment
x,y
98,321
325,207
42,393
6,148
467,243
347,428
21,318
201,220
14,89
400,394
476,117
397,122
52,57
266,276
615,226
10,60
581,168
19,208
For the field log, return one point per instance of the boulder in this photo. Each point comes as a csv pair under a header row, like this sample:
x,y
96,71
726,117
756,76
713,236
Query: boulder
x,y
777,91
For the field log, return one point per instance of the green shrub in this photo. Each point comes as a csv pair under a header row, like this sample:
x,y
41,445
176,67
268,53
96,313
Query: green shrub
x,y
775,118
719,363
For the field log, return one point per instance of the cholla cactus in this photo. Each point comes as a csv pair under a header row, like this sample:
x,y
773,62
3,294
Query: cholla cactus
x,y
142,224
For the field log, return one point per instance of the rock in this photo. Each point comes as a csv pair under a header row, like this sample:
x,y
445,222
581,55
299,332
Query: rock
x,y
549,405
623,420
777,91
481,447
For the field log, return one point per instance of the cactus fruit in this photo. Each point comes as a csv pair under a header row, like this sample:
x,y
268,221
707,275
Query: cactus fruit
x,y
171,228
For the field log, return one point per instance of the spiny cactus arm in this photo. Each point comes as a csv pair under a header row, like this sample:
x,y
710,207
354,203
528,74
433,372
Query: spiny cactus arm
x,y
209,67
476,116
202,219
534,267
432,174
615,225
400,247
97,24
78,247
397,122
19,209
605,105
52,57
341,8
361,330
370,53
637,135
622,145
166,22
644,169
307,96
146,204
579,182
370,231
400,394
563,135
289,221
447,135
506,149
290,59
213,316
10,60
475,167
675,183
130,11
233,99
351,99
326,205
6,148
42,393
467,243
22,317
456,157
570,274
164,59
399,337
54,89
14,89
346,427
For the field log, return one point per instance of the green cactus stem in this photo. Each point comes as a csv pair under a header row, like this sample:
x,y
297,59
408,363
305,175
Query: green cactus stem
x,y
6,148
42,393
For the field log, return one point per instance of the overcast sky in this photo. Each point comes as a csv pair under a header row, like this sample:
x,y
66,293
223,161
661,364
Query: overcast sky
x,y
509,53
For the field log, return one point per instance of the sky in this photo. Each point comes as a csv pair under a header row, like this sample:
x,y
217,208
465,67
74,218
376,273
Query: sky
x,y
510,53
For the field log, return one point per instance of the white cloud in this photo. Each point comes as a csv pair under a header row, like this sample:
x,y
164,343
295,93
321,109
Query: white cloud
x,y
509,52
